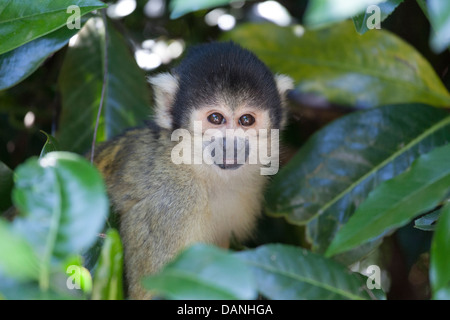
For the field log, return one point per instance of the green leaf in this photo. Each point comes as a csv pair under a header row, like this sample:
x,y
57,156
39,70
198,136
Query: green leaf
x,y
427,222
371,70
287,272
395,202
17,258
179,8
18,64
50,145
63,204
440,257
126,102
203,272
320,13
385,10
337,167
6,185
439,16
108,274
24,21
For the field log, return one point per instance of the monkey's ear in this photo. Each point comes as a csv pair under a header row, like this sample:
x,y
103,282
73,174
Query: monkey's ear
x,y
165,86
284,84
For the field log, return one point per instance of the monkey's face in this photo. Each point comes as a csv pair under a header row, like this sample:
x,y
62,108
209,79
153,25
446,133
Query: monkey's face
x,y
228,101
231,138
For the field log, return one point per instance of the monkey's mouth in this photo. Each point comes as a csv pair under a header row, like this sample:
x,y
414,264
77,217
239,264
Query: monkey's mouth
x,y
229,165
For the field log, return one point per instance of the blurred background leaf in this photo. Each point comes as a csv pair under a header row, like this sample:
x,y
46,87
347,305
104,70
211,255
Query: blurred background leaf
x,y
385,10
6,185
127,96
376,69
439,14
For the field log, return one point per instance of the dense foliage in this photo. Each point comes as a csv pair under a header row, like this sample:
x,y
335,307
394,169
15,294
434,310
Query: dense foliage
x,y
365,179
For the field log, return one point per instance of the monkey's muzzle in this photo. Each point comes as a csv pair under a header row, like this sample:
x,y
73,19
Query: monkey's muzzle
x,y
231,154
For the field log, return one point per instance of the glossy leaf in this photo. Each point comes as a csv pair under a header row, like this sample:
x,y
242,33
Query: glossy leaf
x,y
371,70
181,7
108,274
287,272
63,205
439,15
18,64
51,145
324,12
6,185
126,101
384,10
335,170
24,21
396,202
203,272
440,257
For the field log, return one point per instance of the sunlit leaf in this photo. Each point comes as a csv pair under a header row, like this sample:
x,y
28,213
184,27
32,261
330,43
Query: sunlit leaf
x,y
24,21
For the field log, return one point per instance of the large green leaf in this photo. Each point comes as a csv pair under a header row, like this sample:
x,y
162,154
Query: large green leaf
x,y
108,274
26,20
385,10
335,170
203,272
63,205
126,102
17,64
396,202
287,272
375,69
440,257
439,15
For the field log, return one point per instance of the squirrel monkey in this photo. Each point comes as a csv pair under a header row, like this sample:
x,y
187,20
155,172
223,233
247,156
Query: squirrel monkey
x,y
165,204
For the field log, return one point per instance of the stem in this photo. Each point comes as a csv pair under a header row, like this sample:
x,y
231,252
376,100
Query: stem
x,y
105,78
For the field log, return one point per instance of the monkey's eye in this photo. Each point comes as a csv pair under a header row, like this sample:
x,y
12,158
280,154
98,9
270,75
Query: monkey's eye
x,y
246,120
216,118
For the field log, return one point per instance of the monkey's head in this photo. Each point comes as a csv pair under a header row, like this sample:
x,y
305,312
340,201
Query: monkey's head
x,y
219,89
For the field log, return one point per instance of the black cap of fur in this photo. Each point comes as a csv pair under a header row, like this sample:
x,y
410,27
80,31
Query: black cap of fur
x,y
224,71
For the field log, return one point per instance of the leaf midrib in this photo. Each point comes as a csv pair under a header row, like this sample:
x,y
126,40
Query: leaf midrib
x,y
376,168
